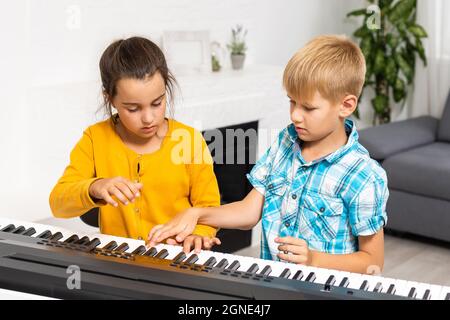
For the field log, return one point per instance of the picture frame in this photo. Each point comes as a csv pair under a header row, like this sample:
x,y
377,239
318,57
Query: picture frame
x,y
187,52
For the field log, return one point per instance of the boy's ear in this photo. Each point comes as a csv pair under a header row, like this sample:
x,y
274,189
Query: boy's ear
x,y
348,105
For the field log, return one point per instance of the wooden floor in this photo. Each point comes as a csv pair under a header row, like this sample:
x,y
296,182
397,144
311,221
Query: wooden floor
x,y
406,257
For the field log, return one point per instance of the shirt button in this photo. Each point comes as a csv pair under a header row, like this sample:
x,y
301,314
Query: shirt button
x,y
136,209
270,186
140,238
294,196
322,209
287,224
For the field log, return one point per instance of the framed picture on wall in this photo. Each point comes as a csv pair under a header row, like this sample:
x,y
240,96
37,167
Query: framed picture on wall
x,y
187,52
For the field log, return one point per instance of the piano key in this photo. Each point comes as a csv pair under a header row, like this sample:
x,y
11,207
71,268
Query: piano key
x,y
8,228
223,263
412,293
391,289
192,258
29,232
44,234
234,265
210,262
364,285
444,294
427,295
331,280
244,263
18,230
344,282
322,275
435,290
162,254
205,255
83,241
311,277
110,246
57,236
253,268
286,273
179,257
73,238
298,275
266,271
139,250
172,251
122,248
276,266
150,252
93,243
378,287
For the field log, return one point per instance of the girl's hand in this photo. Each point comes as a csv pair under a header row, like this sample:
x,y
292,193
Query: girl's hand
x,y
195,241
123,189
181,226
294,250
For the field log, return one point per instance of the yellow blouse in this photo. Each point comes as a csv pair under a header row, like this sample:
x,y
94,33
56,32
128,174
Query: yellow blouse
x,y
177,176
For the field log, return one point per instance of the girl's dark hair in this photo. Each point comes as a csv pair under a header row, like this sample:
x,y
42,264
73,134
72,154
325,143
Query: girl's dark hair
x,y
135,58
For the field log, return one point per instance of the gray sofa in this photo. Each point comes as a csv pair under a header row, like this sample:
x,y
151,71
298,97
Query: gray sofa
x,y
416,156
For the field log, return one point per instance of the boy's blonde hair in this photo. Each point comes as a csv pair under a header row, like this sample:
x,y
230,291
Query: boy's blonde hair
x,y
330,64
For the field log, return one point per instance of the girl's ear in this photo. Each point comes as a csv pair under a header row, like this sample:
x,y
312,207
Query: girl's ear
x,y
107,98
348,105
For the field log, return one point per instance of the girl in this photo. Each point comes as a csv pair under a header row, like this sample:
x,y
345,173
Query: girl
x,y
127,165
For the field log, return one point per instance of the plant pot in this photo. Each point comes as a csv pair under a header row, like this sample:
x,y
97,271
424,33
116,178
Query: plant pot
x,y
237,61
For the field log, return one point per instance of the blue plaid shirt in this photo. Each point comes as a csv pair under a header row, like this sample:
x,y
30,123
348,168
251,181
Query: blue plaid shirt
x,y
328,202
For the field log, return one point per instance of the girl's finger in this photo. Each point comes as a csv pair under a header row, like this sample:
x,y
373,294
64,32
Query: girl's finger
x,y
118,194
123,187
105,196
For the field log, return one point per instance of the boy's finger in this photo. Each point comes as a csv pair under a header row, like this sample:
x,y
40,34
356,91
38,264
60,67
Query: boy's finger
x,y
187,244
172,242
154,233
183,234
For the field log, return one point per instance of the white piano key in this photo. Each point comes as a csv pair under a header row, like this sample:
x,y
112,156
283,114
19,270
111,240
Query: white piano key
x,y
206,254
435,290
444,292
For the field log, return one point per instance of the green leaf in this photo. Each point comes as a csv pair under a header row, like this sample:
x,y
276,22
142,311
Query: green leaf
x,y
380,103
366,46
362,32
399,90
421,51
404,67
402,10
391,71
358,12
379,62
418,31
392,41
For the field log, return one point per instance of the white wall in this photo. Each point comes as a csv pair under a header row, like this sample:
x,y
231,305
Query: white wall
x,y
49,60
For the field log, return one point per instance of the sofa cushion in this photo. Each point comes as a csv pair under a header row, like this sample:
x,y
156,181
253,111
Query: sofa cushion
x,y
444,124
424,171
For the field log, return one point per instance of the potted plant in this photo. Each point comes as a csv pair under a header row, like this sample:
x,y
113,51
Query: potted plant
x,y
390,46
237,47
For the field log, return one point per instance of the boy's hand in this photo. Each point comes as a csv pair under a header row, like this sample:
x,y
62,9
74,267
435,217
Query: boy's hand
x,y
294,250
181,226
123,189
195,241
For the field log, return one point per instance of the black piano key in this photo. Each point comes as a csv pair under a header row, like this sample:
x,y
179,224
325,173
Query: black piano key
x,y
8,228
110,246
234,265
93,243
58,235
427,295
447,297
311,277
123,247
298,275
266,271
44,234
378,287
139,250
150,252
286,273
412,293
179,257
364,285
391,289
253,268
18,230
330,281
210,262
83,241
72,238
222,264
29,232
162,254
192,259
344,282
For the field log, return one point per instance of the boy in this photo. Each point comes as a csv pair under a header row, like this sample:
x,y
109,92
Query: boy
x,y
320,197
